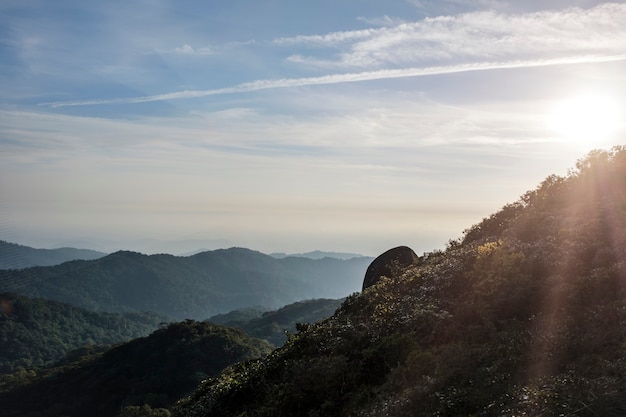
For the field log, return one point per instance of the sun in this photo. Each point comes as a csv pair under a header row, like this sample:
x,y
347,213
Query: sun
x,y
586,118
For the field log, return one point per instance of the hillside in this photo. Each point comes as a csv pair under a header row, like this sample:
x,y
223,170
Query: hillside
x,y
35,332
196,287
14,256
152,372
273,326
524,315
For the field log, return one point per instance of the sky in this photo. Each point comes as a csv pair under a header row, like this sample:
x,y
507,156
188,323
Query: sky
x,y
284,126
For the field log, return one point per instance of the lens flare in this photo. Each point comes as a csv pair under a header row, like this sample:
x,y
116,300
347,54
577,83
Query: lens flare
x,y
587,118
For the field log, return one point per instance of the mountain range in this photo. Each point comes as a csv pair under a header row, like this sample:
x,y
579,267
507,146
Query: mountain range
x,y
522,315
14,256
195,287
318,254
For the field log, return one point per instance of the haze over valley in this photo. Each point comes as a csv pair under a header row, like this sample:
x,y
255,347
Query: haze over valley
x,y
355,208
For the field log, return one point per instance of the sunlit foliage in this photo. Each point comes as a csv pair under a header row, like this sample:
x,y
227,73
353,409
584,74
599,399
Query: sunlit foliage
x,y
524,315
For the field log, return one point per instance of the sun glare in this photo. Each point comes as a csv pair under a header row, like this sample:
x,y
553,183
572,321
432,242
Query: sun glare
x,y
586,118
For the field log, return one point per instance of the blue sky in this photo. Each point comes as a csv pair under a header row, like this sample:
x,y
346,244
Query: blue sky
x,y
292,126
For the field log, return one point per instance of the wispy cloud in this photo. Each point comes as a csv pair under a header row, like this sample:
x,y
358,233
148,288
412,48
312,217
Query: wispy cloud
x,y
346,78
186,49
382,21
330,39
477,41
475,36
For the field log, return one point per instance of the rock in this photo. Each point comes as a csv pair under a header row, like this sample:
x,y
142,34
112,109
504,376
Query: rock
x,y
390,264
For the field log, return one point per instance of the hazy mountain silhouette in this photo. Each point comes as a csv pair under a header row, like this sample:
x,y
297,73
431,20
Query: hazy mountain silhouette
x,y
14,256
317,254
197,286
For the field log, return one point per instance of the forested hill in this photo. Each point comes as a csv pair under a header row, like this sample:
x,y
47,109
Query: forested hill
x,y
151,372
14,256
35,332
196,287
274,326
524,315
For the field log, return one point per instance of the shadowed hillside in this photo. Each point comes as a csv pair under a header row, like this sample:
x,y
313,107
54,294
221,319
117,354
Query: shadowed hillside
x,y
151,372
524,315
35,332
273,326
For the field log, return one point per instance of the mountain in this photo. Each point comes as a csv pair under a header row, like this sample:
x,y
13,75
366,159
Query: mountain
x,y
14,256
152,371
274,326
524,315
36,333
197,286
317,254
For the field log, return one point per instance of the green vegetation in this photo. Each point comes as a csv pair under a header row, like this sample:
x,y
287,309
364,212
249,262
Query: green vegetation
x,y
194,287
524,315
274,326
35,333
138,378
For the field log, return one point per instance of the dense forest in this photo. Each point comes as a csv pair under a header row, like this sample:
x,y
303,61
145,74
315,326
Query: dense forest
x,y
523,315
144,374
54,347
36,332
195,287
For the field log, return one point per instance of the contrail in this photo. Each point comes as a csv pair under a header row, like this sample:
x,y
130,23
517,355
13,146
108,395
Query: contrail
x,y
345,78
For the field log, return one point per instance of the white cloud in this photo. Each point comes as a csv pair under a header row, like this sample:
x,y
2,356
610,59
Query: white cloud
x,y
347,78
188,50
382,21
486,35
442,45
330,39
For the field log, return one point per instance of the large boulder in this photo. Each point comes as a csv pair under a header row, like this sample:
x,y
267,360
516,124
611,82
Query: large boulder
x,y
390,264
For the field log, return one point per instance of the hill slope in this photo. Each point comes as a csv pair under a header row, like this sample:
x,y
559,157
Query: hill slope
x,y
274,325
14,256
523,316
155,370
35,332
197,286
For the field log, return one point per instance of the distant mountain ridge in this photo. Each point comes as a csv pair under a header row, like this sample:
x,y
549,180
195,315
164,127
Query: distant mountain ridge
x,y
196,287
14,256
317,254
